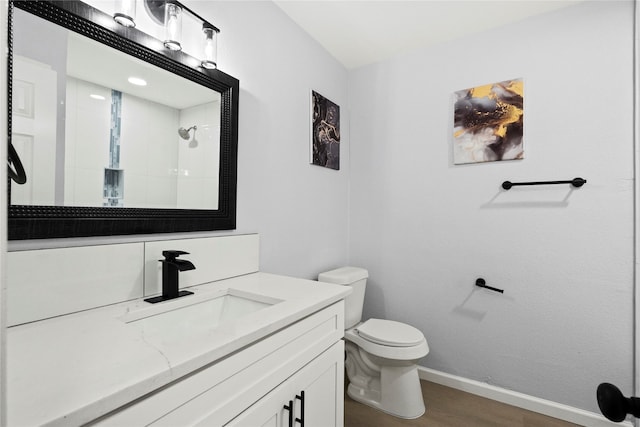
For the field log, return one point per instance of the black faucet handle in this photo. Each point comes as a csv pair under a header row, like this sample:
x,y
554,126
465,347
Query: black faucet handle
x,y
172,255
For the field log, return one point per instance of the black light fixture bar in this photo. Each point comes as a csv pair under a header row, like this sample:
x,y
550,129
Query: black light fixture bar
x,y
198,17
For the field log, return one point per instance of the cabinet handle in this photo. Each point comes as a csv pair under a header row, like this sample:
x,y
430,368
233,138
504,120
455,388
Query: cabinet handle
x,y
301,399
290,409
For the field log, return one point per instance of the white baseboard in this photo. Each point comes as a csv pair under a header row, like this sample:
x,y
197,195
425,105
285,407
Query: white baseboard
x,y
520,400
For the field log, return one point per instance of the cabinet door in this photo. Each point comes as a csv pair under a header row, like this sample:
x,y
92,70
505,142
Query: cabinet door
x,y
269,411
322,381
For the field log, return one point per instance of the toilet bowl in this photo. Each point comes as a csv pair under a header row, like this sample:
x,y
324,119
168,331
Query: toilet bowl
x,y
382,355
382,366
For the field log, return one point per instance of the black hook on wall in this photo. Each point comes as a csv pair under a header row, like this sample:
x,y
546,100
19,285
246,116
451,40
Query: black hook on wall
x,y
480,282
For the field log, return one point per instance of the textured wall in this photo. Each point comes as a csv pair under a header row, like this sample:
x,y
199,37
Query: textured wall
x,y
426,229
300,210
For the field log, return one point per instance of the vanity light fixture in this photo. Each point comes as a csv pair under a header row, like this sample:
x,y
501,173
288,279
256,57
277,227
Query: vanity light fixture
x,y
169,14
125,14
210,47
172,26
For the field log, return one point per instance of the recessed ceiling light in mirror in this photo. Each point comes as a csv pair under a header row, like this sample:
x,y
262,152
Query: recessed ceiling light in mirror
x,y
137,81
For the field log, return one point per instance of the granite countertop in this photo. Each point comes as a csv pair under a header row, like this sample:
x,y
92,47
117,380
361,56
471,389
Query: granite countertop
x,y
72,369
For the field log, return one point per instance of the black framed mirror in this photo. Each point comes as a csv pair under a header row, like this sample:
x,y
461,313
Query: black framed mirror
x,y
64,209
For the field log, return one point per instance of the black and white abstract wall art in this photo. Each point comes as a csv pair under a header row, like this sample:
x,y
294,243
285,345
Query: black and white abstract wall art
x,y
488,123
325,132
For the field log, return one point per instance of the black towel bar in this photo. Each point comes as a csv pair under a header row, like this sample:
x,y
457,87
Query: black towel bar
x,y
576,182
480,282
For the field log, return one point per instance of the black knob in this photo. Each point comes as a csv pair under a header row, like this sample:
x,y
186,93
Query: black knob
x,y
614,405
578,182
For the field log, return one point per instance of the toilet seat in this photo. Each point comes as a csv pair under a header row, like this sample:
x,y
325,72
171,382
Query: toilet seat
x,y
389,333
387,351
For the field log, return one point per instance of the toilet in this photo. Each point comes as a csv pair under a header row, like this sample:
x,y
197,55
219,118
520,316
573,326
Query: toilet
x,y
382,355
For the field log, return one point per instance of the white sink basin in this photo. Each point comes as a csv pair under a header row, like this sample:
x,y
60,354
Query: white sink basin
x,y
193,313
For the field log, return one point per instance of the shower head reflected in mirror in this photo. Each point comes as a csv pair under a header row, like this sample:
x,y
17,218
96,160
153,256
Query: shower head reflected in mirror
x,y
184,133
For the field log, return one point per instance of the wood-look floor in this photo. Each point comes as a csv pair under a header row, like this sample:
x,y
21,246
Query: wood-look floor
x,y
447,407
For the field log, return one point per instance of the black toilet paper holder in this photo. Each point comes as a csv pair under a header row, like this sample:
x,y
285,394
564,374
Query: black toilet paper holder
x,y
480,282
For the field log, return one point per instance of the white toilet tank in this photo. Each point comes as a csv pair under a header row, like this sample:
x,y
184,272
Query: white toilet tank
x,y
357,279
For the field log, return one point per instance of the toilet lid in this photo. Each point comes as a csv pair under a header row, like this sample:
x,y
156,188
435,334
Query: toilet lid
x,y
389,332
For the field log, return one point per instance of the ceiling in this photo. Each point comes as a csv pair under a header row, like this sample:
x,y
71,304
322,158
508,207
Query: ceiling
x,y
101,65
360,32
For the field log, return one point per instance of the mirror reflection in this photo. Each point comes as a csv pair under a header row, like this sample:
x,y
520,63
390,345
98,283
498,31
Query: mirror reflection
x,y
96,127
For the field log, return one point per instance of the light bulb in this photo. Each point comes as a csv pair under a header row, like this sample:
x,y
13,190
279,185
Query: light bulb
x,y
172,26
210,48
125,14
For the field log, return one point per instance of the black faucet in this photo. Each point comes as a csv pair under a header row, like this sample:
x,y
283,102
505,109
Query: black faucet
x,y
170,268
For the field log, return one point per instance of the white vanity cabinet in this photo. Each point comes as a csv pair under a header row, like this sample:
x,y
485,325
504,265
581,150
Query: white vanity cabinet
x,y
312,397
251,386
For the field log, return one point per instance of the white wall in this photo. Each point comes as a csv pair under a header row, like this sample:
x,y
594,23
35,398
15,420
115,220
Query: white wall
x,y
149,152
426,229
197,179
88,123
300,210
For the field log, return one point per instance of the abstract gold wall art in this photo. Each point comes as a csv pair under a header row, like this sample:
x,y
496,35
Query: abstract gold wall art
x,y
325,132
488,123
